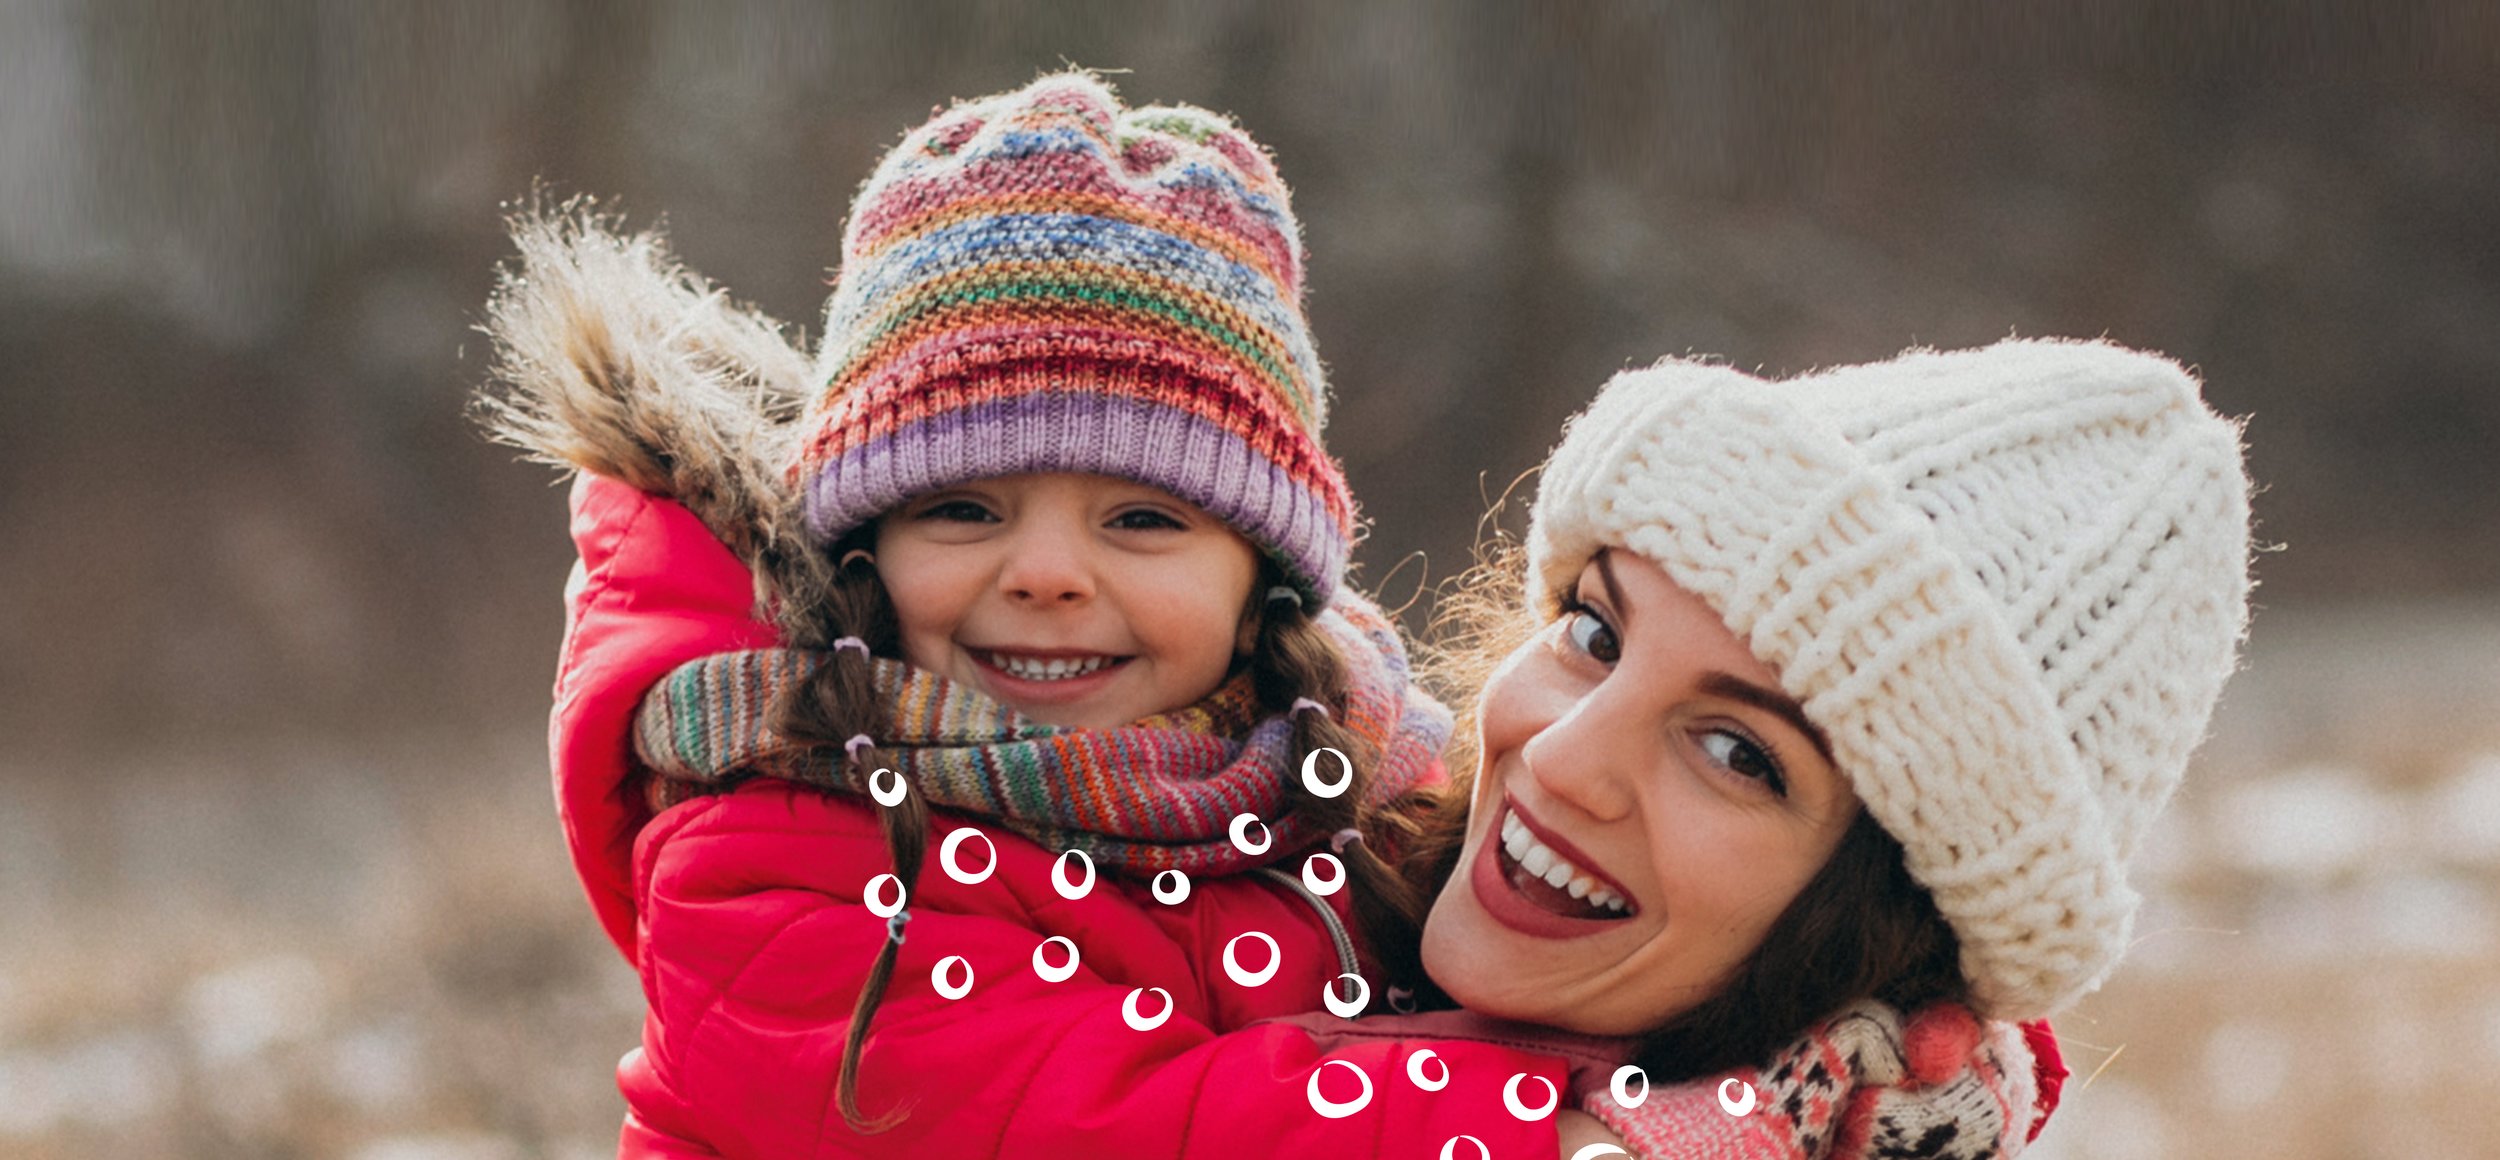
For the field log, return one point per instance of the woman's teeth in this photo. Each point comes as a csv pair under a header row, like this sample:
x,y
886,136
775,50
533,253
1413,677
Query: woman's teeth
x,y
1558,873
1038,669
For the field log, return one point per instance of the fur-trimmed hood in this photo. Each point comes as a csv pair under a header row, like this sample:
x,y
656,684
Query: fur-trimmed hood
x,y
613,358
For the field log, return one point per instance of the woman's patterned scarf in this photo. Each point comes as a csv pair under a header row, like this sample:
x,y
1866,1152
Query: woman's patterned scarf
x,y
1156,795
1866,1084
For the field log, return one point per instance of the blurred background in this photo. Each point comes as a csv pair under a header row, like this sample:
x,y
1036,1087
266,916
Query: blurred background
x,y
279,872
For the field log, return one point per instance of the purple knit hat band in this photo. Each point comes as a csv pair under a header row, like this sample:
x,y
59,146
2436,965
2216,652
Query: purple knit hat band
x,y
1095,433
1044,281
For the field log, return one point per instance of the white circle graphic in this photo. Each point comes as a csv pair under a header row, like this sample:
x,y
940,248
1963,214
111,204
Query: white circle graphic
x,y
1351,1007
1059,876
1049,973
1317,885
1310,773
876,887
1128,1009
1593,1151
1179,891
953,844
1510,1098
1241,839
1449,1150
883,793
1736,1105
1232,965
1415,1071
1623,1077
1330,1108
938,973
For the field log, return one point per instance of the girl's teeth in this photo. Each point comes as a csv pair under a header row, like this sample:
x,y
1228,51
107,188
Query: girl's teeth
x,y
1580,887
1539,859
1047,670
1559,876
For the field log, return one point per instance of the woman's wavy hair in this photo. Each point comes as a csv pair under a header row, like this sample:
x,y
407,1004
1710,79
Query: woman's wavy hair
x,y
1292,657
1860,928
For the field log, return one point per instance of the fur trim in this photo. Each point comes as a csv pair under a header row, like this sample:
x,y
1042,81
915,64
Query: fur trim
x,y
612,358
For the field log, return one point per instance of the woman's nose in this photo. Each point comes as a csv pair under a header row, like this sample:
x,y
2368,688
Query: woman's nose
x,y
1584,756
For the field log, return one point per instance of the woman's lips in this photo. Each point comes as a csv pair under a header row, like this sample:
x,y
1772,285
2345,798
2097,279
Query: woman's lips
x,y
1521,901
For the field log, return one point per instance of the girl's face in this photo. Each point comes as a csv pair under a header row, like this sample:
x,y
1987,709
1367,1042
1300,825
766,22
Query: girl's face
x,y
1078,600
1649,801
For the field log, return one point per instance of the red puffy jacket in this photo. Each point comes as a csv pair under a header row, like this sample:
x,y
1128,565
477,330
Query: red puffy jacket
x,y
743,913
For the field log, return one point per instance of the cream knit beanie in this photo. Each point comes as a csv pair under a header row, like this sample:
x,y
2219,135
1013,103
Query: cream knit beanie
x,y
2008,583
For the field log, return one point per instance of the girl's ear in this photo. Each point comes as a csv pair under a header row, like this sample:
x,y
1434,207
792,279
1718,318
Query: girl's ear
x,y
1246,638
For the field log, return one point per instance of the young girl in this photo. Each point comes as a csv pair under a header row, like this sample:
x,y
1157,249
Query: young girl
x,y
1055,573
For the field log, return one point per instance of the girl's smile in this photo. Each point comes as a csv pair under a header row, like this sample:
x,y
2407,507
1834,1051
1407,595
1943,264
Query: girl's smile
x,y
1082,600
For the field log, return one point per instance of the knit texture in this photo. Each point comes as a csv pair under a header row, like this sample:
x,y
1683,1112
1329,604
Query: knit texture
x,y
1862,1085
2008,583
1157,795
1045,281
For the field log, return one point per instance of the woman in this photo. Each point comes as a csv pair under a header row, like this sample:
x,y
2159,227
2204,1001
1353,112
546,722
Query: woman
x,y
1852,693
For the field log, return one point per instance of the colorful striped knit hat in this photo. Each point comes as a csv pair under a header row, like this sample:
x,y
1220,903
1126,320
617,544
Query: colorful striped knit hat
x,y
1046,281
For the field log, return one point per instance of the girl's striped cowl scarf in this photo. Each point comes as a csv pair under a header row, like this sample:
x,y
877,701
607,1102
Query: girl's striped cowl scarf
x,y
1156,795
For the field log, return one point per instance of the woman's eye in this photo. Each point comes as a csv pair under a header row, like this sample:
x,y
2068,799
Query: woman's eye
x,y
1742,756
1593,637
1145,519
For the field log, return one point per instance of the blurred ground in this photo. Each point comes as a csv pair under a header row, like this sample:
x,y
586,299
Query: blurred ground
x,y
373,947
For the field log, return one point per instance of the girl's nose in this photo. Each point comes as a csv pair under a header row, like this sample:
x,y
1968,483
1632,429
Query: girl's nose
x,y
1046,568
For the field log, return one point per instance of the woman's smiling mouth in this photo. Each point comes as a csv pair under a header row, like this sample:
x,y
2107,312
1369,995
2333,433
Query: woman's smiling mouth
x,y
1513,881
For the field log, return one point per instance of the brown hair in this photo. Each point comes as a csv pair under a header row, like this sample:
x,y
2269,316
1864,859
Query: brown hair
x,y
1860,928
1291,658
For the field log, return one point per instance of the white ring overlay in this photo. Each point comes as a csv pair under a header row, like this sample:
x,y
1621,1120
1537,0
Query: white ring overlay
x,y
1593,1151
1176,895
1415,1071
954,842
1241,826
877,791
1510,1098
1334,883
1736,1107
876,886
1059,876
1310,773
938,973
1449,1149
1128,1009
1329,1108
1351,1007
1051,974
1232,966
1623,1075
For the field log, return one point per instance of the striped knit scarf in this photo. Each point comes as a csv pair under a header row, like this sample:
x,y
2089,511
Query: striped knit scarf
x,y
1156,795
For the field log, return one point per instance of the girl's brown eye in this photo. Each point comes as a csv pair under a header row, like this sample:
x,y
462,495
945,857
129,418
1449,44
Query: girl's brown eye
x,y
957,511
1145,519
1593,637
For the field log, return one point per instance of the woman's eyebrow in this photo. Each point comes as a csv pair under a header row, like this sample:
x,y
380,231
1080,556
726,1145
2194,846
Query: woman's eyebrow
x,y
1771,701
1614,591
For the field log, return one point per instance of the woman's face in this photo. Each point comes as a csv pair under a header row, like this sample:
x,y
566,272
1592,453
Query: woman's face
x,y
1080,600
1648,802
